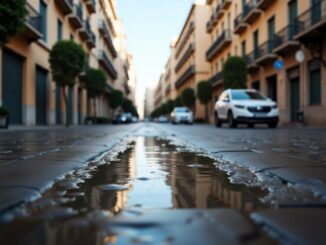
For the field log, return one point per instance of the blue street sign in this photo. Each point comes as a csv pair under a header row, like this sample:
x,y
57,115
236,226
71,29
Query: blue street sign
x,y
278,65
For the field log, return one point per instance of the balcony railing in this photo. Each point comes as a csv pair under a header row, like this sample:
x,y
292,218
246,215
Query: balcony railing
x,y
185,57
168,89
85,31
107,37
264,54
185,39
33,24
239,25
209,26
226,4
251,61
91,42
216,79
185,76
224,39
284,39
264,4
105,61
251,12
77,17
91,6
219,12
65,5
312,19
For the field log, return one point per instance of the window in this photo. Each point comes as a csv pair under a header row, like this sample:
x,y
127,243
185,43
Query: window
x,y
43,14
256,44
243,49
59,30
293,13
247,95
315,83
271,34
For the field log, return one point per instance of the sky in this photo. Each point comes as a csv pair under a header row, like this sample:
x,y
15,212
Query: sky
x,y
150,26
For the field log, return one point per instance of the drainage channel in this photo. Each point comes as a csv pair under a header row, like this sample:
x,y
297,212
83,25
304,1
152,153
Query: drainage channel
x,y
151,175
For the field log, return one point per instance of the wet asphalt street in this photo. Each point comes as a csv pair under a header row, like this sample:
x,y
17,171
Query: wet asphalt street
x,y
158,183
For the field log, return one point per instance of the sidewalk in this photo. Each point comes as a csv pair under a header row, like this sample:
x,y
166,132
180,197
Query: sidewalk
x,y
31,159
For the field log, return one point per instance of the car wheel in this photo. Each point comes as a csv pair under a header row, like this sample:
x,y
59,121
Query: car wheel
x,y
272,125
218,122
232,123
250,125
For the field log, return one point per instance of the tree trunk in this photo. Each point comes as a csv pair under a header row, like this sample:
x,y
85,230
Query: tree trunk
x,y
65,99
206,113
95,114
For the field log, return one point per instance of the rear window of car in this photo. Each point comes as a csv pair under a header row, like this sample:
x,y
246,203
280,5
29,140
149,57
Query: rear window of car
x,y
247,95
182,110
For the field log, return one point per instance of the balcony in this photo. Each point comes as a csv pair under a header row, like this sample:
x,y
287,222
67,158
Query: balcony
x,y
189,73
103,29
32,30
217,79
284,41
251,61
185,57
91,42
251,12
221,42
226,4
265,53
85,31
91,6
209,26
107,65
66,6
219,12
76,18
264,4
311,25
168,89
185,39
239,25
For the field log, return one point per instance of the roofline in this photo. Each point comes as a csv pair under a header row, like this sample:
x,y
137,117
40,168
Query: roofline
x,y
185,24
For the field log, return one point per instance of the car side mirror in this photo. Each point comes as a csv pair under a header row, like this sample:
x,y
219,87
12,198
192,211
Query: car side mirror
x,y
226,100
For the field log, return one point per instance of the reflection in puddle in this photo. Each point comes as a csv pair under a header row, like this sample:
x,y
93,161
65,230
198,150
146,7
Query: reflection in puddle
x,y
152,174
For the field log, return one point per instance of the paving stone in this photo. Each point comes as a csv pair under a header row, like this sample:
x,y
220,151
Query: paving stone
x,y
187,226
14,195
294,225
314,176
258,162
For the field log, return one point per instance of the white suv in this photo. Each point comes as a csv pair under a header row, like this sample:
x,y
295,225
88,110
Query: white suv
x,y
245,106
181,115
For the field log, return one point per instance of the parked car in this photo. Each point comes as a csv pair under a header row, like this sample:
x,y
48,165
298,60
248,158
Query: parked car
x,y
122,118
163,119
181,115
248,106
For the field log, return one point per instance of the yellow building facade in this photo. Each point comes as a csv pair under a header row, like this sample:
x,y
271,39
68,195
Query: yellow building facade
x,y
191,66
26,85
283,42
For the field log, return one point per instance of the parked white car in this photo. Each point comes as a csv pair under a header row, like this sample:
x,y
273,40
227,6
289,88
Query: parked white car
x,y
248,106
181,115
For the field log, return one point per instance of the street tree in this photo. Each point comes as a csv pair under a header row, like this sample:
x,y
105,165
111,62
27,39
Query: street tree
x,y
204,94
12,19
170,105
95,83
115,100
67,61
235,73
178,102
127,105
188,97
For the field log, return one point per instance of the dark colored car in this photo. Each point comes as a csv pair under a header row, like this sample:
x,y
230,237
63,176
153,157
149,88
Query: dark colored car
x,y
122,118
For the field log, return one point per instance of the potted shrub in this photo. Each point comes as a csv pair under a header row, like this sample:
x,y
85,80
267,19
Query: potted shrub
x,y
4,117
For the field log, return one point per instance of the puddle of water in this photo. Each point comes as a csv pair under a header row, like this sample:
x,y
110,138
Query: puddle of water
x,y
151,174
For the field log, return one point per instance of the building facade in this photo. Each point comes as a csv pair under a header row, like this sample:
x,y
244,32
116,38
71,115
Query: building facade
x,y
26,85
264,32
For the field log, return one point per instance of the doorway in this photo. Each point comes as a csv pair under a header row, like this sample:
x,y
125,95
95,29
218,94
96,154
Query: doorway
x,y
12,85
41,95
272,88
294,98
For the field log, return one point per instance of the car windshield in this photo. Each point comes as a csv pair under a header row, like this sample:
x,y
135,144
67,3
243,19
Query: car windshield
x,y
181,110
247,95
